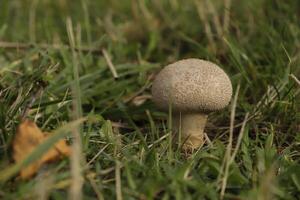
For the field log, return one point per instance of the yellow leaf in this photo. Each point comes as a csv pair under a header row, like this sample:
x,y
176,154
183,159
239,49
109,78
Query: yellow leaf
x,y
27,138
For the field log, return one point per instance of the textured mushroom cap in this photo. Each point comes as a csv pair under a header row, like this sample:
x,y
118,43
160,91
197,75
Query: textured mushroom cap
x,y
192,85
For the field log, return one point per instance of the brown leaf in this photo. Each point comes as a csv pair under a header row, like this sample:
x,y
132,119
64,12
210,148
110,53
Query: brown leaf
x,y
27,138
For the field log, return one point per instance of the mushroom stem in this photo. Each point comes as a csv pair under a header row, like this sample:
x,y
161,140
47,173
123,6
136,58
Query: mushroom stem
x,y
191,128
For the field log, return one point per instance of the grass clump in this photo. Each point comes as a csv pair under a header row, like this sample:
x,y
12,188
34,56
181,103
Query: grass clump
x,y
52,70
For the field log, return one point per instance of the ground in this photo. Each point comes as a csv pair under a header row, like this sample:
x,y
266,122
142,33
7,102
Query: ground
x,y
82,70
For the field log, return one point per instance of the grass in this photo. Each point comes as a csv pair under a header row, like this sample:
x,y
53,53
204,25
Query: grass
x,y
62,60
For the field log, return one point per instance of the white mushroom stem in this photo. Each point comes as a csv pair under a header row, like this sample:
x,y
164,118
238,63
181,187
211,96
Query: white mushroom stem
x,y
191,128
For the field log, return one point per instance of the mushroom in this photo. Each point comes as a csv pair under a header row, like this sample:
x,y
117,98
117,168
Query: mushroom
x,y
192,88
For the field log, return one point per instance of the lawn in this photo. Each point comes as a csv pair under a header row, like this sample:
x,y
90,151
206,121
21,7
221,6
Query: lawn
x,y
82,70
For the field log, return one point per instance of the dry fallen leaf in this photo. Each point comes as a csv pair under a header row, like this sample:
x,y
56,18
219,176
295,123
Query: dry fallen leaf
x,y
27,138
139,100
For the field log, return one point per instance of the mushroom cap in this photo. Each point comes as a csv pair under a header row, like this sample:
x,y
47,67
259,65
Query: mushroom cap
x,y
192,85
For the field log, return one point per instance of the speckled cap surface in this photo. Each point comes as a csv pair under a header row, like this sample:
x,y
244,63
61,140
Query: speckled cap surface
x,y
192,85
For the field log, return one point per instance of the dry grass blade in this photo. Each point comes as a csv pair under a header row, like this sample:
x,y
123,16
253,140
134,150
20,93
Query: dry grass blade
x,y
43,188
295,79
226,162
207,140
109,63
75,192
26,46
215,18
95,188
118,180
241,134
227,5
95,157
207,28
32,21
